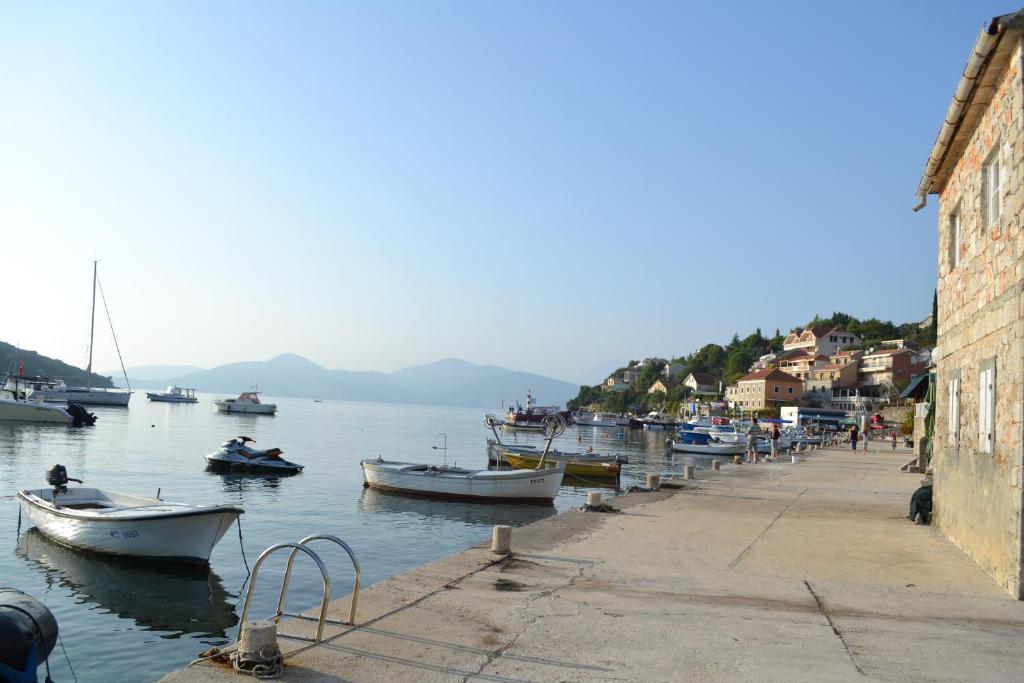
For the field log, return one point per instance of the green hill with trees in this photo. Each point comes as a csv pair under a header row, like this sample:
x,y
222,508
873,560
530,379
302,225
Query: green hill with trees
x,y
37,365
730,362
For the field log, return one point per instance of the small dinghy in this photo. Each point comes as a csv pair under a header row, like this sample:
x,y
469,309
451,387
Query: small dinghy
x,y
237,455
120,524
537,486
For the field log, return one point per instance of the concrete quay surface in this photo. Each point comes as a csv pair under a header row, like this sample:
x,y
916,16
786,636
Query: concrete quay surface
x,y
766,572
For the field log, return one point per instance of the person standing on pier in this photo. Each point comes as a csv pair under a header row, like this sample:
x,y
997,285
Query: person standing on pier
x,y
776,435
894,439
867,435
853,438
752,434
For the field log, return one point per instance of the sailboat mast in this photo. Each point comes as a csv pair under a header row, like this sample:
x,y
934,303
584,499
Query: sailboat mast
x,y
92,329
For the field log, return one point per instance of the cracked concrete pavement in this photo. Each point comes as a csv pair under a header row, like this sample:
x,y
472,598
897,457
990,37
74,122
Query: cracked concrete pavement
x,y
761,572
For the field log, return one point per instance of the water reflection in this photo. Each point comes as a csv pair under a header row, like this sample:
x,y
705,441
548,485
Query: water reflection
x,y
379,503
240,483
178,600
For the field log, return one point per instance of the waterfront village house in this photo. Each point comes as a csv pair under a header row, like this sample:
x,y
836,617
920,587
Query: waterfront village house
x,y
614,383
889,368
820,340
826,386
663,385
977,169
702,384
800,363
764,389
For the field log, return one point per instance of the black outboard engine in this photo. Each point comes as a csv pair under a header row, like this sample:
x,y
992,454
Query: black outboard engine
x,y
28,632
80,416
57,477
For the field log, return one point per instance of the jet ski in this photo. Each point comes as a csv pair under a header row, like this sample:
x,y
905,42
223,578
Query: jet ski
x,y
237,455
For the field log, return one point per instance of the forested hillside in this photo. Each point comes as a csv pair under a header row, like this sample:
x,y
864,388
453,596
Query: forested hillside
x,y
38,365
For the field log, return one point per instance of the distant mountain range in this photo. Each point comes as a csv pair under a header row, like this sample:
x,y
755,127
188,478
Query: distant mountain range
x,y
450,382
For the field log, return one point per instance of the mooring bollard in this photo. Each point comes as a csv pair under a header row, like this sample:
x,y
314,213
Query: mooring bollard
x,y
653,482
501,538
716,464
687,471
593,499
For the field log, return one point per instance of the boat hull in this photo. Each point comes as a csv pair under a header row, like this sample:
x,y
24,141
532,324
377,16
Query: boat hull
x,y
573,467
709,449
187,536
89,397
28,411
513,486
161,398
251,409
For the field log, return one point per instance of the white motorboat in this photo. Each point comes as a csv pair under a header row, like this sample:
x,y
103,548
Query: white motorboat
x,y
236,455
603,420
455,483
174,394
709,448
496,451
247,402
15,407
120,524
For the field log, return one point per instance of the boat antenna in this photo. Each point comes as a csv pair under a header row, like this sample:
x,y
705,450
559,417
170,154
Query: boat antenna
x,y
92,329
443,448
111,322
554,425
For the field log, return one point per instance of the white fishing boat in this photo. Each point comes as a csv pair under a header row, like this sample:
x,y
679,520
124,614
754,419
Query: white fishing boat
x,y
174,394
709,448
603,420
455,483
247,402
125,525
56,391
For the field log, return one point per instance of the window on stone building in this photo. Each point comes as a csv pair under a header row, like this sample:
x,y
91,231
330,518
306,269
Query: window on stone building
x,y
991,188
954,237
776,388
953,412
791,390
987,406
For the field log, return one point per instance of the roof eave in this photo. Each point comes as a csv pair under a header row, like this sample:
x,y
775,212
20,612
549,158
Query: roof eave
x,y
973,93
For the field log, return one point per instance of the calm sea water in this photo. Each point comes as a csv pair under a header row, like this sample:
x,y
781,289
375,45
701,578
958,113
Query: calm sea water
x,y
127,622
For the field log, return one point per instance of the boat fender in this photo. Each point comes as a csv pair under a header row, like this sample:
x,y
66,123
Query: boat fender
x,y
28,633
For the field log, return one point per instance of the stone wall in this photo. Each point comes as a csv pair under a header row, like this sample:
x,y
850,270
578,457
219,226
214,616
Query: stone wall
x,y
978,496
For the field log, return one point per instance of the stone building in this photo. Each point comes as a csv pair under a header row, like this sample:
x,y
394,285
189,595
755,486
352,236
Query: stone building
x,y
976,169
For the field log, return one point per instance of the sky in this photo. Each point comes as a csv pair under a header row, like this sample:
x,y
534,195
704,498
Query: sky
x,y
544,186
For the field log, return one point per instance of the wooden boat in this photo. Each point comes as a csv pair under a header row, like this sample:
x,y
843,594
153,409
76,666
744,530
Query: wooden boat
x,y
496,454
575,465
125,525
456,483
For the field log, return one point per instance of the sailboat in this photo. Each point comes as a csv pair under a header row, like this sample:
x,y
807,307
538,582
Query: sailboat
x,y
56,391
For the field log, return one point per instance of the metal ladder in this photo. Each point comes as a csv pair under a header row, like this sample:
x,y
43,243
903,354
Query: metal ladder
x,y
302,546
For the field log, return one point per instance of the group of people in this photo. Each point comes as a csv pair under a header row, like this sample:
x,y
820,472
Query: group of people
x,y
752,435
855,437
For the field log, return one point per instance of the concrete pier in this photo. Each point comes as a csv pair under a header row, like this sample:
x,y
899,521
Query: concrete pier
x,y
760,572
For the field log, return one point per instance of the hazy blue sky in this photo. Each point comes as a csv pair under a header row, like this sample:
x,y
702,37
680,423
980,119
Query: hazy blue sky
x,y
544,186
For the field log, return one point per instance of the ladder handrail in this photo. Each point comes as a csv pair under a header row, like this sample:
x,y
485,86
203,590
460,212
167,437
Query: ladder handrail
x,y
255,570
355,565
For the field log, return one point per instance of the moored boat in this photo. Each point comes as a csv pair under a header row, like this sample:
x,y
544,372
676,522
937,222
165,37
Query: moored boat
x,y
532,417
120,524
578,466
247,402
708,447
455,483
174,394
603,420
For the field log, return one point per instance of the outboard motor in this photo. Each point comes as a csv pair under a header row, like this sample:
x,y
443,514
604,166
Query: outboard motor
x,y
28,632
57,477
80,416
